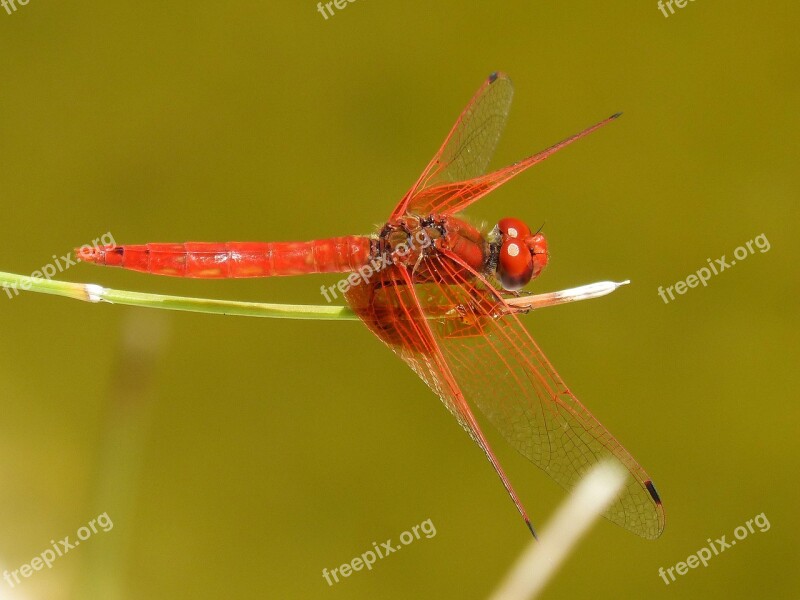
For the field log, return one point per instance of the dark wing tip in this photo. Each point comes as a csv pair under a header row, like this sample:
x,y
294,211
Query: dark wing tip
x,y
616,115
652,489
498,75
530,526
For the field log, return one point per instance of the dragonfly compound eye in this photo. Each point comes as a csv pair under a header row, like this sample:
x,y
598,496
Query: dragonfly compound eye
x,y
513,228
515,264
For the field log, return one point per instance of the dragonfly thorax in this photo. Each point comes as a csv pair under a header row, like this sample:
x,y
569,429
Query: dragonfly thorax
x,y
407,240
411,239
509,252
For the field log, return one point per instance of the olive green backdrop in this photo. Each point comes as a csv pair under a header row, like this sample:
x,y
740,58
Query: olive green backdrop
x,y
239,457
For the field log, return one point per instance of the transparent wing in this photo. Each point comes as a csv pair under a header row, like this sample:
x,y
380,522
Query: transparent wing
x,y
455,331
390,307
453,197
468,148
499,367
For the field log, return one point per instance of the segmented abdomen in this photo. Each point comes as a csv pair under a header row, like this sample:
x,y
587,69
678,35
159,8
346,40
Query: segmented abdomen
x,y
237,259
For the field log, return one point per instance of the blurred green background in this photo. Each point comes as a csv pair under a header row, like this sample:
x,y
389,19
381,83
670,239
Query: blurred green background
x,y
239,457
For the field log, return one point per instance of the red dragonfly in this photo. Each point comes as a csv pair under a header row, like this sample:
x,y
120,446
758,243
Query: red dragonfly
x,y
438,291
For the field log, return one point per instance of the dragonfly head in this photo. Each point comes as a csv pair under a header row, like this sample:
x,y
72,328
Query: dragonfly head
x,y
522,256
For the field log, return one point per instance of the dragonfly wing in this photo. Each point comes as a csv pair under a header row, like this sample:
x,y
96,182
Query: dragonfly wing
x,y
468,148
499,367
390,307
452,197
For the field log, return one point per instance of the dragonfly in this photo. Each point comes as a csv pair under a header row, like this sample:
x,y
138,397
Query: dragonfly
x,y
443,294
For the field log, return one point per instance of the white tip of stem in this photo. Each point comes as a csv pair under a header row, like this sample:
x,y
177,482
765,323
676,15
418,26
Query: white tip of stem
x,y
584,292
94,292
539,562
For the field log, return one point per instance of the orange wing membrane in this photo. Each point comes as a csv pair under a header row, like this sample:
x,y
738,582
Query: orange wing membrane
x,y
467,345
468,148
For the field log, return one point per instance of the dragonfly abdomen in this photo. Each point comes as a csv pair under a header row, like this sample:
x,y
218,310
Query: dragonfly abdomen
x,y
226,260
